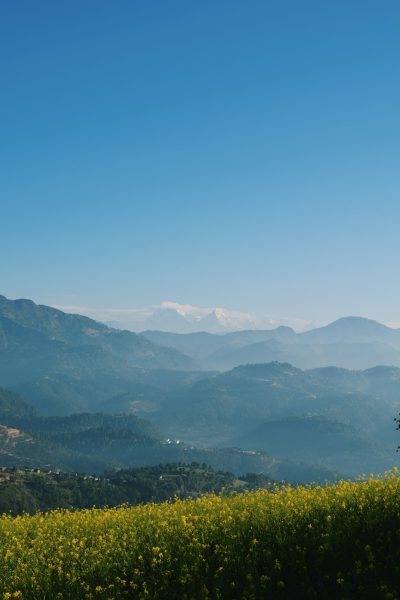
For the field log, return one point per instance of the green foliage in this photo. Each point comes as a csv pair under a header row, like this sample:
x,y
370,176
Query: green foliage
x,y
324,543
31,490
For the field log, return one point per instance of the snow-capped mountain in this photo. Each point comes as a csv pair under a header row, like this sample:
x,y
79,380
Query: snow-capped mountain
x,y
171,317
183,318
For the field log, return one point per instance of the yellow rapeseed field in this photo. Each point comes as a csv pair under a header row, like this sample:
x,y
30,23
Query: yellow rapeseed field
x,y
338,541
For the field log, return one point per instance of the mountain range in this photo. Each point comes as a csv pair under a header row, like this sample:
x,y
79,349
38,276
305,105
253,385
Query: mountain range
x,y
350,342
172,317
277,408
73,361
260,413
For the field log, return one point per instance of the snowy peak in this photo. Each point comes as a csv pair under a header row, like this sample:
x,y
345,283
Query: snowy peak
x,y
186,318
220,321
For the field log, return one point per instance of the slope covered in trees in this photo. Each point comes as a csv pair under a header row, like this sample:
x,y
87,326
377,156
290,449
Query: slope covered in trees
x,y
32,490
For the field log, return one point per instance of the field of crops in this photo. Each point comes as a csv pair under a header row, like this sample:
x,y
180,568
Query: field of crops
x,y
338,541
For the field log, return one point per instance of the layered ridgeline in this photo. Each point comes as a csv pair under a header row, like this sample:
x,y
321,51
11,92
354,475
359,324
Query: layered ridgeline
x,y
351,342
93,443
68,363
255,418
334,417
263,418
221,406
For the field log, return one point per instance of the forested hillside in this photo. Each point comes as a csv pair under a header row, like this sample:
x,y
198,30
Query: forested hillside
x,y
44,348
87,397
32,490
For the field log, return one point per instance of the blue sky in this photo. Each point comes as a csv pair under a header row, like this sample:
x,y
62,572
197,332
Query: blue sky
x,y
218,153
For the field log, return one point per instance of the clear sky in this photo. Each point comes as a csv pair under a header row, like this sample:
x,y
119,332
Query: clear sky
x,y
220,153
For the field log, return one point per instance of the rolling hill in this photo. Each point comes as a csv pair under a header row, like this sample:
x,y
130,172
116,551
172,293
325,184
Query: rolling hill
x,y
93,443
322,441
221,409
222,406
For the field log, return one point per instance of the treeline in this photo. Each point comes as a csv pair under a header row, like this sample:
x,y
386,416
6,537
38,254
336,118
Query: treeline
x,y
32,490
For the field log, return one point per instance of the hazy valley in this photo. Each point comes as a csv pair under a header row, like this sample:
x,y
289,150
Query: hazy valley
x,y
83,396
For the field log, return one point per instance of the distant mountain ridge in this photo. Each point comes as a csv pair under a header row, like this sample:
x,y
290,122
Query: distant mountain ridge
x,y
171,317
51,324
354,330
66,364
42,343
350,342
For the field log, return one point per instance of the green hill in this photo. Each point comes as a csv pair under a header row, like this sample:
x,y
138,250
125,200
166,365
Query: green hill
x,y
322,441
223,406
93,443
